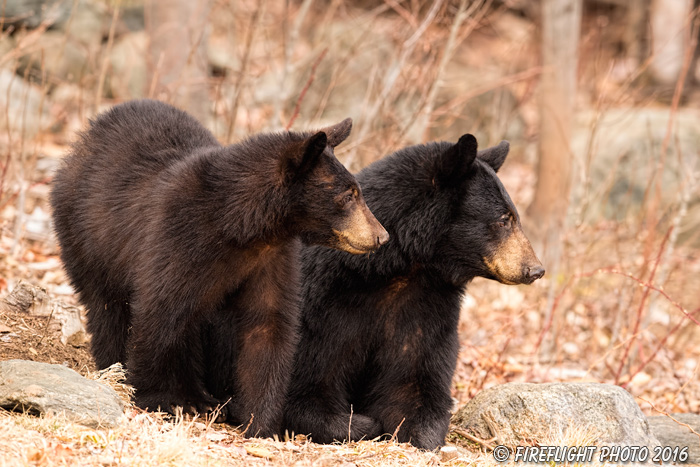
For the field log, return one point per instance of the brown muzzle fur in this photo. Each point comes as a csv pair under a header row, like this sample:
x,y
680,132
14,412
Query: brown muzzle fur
x,y
362,232
514,261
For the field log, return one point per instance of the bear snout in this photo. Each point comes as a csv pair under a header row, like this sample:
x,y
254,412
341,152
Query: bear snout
x,y
383,236
361,232
514,261
532,273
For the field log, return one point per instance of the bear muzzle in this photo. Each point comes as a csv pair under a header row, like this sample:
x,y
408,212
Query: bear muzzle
x,y
514,261
361,233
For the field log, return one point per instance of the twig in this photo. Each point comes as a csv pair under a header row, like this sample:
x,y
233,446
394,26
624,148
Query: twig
x,y
670,416
392,75
396,431
156,76
410,19
528,74
675,103
497,362
22,176
290,41
46,326
214,415
250,422
105,62
660,345
550,316
252,27
462,14
648,286
485,443
683,386
306,88
642,303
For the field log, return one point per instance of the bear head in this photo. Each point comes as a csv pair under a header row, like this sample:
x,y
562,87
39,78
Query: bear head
x,y
328,201
446,209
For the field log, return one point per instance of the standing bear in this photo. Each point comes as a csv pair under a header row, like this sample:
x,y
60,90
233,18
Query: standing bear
x,y
379,341
163,229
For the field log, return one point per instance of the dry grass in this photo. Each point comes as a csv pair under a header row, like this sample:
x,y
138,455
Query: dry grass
x,y
145,439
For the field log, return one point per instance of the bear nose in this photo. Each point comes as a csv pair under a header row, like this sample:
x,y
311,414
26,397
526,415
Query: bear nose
x,y
382,238
534,273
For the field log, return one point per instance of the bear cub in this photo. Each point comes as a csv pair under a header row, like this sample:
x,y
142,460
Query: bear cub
x,y
163,230
379,339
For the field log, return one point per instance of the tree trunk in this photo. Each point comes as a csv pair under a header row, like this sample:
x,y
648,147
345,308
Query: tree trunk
x,y
561,20
669,18
178,60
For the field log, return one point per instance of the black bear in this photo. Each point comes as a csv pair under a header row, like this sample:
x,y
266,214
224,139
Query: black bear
x,y
163,229
379,342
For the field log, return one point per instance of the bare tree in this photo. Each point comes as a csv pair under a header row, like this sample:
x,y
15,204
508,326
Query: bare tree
x,y
178,61
561,23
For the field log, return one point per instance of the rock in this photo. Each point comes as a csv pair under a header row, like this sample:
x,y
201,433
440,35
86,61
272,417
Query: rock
x,y
87,21
132,16
27,298
42,388
447,453
31,13
72,329
625,149
23,105
63,58
89,25
523,413
128,79
671,433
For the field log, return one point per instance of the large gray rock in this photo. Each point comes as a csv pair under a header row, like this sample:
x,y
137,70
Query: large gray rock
x,y
42,388
64,59
671,433
520,413
31,13
625,146
24,109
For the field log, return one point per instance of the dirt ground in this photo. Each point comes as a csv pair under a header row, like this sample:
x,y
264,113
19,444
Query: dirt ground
x,y
38,339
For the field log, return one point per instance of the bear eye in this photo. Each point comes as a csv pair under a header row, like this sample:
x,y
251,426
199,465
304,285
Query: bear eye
x,y
505,220
348,197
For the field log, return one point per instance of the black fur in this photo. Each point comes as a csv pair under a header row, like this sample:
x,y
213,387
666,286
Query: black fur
x,y
379,340
164,233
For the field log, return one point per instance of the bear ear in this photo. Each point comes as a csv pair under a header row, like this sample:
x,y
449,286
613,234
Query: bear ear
x,y
496,155
338,133
454,164
311,151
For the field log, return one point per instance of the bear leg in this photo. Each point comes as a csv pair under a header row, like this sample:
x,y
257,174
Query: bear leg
x,y
311,416
415,403
108,321
263,369
165,360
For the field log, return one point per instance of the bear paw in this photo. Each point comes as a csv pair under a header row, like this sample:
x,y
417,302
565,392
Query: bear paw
x,y
363,427
173,404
